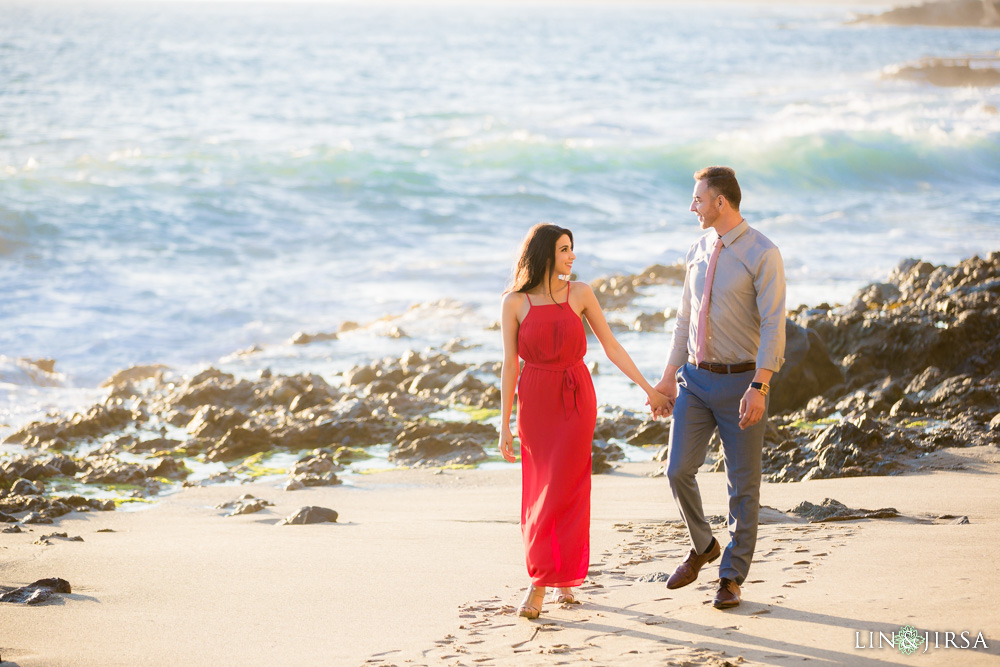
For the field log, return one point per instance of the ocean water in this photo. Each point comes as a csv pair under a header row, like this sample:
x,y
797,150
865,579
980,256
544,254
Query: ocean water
x,y
181,181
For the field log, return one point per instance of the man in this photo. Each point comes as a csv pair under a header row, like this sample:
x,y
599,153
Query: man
x,y
728,341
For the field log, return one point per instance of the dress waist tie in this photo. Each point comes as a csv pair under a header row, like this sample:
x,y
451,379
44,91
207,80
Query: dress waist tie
x,y
569,383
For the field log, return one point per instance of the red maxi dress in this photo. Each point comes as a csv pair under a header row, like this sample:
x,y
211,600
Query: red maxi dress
x,y
556,415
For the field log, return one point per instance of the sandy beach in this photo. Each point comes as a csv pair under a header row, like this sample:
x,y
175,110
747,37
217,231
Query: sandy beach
x,y
425,567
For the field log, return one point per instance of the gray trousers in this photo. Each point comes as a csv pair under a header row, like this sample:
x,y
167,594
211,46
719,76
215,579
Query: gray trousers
x,y
706,400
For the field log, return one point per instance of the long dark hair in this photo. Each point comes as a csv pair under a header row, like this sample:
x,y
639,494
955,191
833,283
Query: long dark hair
x,y
538,252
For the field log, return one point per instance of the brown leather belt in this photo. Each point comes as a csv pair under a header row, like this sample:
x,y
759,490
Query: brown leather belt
x,y
728,368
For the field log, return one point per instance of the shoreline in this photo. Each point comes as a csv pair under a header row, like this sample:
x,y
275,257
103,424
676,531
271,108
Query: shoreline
x,y
897,383
182,583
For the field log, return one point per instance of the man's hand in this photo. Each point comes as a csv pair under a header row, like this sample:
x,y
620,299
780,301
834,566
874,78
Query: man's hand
x,y
751,407
659,405
668,388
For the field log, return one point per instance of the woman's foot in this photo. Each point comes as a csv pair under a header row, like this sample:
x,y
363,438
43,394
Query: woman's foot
x,y
566,596
531,605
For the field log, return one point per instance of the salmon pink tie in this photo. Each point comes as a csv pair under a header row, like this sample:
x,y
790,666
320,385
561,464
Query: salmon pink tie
x,y
699,345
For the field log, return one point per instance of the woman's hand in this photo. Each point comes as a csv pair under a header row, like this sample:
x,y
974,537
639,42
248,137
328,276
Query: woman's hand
x,y
506,445
661,405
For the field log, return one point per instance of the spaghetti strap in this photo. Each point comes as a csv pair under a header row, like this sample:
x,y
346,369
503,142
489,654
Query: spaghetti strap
x,y
529,299
568,283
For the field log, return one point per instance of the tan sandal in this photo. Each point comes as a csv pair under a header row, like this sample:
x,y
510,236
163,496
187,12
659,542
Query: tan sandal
x,y
531,606
566,596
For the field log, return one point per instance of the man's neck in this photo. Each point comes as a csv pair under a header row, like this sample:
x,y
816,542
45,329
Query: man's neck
x,y
728,223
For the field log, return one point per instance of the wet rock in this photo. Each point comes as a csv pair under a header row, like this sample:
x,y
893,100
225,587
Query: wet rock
x,y
652,321
468,389
35,593
317,463
312,479
302,338
833,510
995,422
808,370
214,422
153,445
47,539
651,432
618,291
96,422
310,514
847,448
9,529
443,443
23,487
602,455
134,374
618,425
434,450
15,504
318,469
360,375
7,518
239,442
36,518
108,470
245,504
904,407
169,468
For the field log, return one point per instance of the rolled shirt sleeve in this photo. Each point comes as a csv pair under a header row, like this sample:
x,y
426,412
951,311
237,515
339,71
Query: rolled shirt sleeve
x,y
682,327
769,281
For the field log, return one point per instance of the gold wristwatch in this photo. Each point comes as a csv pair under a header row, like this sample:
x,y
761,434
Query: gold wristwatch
x,y
762,387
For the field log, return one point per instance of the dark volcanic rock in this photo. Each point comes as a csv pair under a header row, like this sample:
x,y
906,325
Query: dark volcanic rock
x,y
96,422
214,422
311,514
602,454
23,487
619,425
808,370
614,292
245,504
239,442
35,593
922,347
833,510
443,443
858,446
650,432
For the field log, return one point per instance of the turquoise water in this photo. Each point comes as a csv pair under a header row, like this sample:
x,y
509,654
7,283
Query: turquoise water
x,y
179,181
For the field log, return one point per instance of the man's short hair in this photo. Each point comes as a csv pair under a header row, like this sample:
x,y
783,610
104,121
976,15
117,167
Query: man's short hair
x,y
722,180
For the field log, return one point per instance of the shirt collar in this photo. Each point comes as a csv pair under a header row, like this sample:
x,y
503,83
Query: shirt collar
x,y
729,237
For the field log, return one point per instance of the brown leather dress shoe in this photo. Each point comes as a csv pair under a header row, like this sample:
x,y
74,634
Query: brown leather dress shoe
x,y
687,571
728,595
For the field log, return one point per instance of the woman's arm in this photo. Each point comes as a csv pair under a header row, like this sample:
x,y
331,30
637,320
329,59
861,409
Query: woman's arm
x,y
508,375
616,353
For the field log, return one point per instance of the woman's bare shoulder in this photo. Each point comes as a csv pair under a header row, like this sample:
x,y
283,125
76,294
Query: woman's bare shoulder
x,y
514,299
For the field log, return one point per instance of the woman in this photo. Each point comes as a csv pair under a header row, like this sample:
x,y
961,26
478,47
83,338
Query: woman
x,y
556,408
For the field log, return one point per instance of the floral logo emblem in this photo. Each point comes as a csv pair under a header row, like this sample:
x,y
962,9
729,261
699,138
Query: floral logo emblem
x,y
908,640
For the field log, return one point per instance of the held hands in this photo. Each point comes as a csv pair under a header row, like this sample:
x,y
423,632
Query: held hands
x,y
751,407
506,444
661,401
